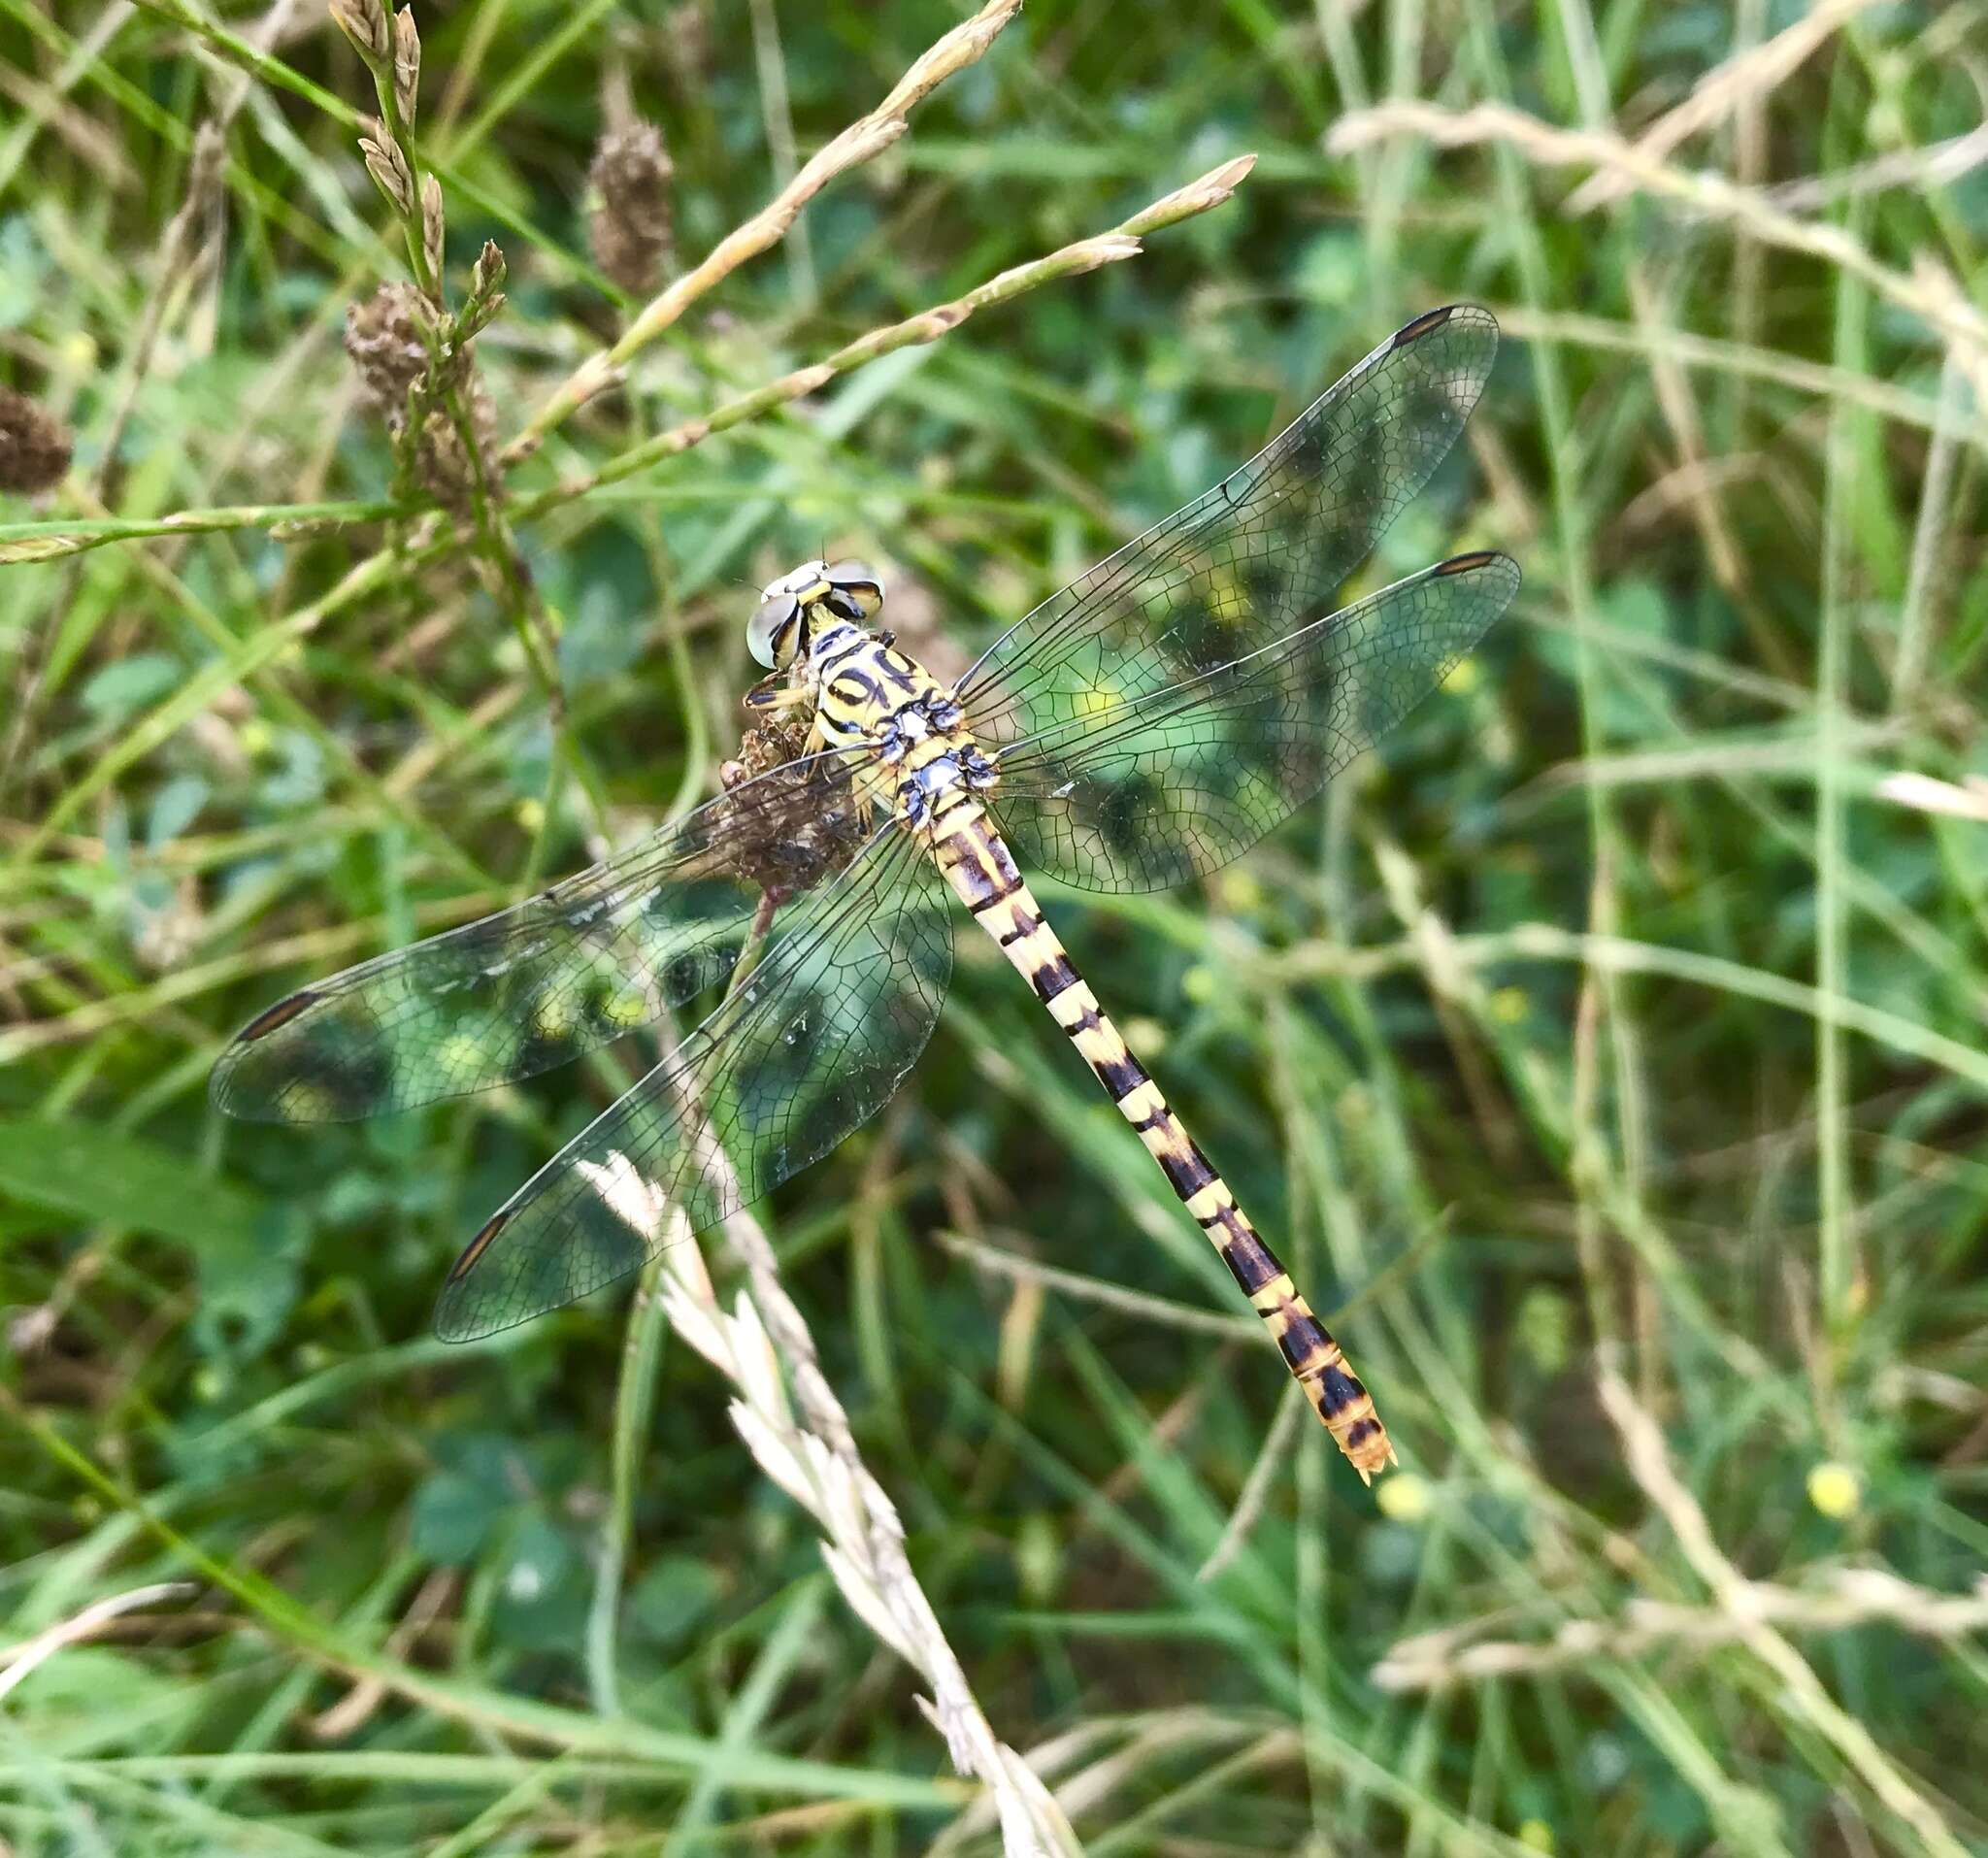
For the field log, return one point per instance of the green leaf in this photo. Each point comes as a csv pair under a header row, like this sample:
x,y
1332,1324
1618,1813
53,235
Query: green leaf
x,y
248,1285
121,1180
541,1594
454,1513
174,809
129,684
673,1597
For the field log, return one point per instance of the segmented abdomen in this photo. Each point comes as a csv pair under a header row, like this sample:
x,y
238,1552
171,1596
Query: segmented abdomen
x,y
978,867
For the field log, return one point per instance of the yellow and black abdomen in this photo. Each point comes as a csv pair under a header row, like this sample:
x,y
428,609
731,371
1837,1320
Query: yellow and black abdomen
x,y
983,874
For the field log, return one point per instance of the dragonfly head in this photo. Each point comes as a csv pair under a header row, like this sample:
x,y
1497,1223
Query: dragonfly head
x,y
791,608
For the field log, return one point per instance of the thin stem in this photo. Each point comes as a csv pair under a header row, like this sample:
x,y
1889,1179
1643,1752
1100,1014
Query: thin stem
x,y
863,140
1211,189
1836,1261
54,537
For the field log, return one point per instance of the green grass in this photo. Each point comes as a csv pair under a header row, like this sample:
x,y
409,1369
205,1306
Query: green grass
x,y
1610,1041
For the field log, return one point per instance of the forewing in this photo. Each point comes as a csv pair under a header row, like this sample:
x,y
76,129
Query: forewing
x,y
813,1045
1182,780
1262,555
559,975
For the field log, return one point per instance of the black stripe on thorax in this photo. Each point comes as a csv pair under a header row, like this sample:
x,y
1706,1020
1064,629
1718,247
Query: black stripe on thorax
x,y
867,692
825,662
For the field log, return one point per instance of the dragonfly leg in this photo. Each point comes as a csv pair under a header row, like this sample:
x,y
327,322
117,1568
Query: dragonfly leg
x,y
983,874
771,696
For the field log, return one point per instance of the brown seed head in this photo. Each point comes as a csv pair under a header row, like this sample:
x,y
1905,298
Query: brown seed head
x,y
631,221
364,23
796,829
488,279
34,446
407,65
388,337
389,168
442,461
431,229
486,294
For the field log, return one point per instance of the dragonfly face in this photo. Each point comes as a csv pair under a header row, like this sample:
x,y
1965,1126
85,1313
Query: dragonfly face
x,y
1146,724
791,608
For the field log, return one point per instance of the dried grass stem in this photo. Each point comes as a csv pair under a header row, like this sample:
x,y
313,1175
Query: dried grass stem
x,y
1930,292
862,140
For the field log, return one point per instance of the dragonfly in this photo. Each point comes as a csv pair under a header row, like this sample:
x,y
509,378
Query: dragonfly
x,y
1140,729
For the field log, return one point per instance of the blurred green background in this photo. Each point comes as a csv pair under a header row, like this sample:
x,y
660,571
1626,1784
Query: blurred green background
x,y
1612,1036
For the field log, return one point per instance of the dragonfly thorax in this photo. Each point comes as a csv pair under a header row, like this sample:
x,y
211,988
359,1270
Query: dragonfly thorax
x,y
868,695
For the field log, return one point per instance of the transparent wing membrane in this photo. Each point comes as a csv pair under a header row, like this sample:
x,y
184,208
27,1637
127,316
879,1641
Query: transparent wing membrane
x,y
813,1045
1149,723
1188,777
559,975
1256,558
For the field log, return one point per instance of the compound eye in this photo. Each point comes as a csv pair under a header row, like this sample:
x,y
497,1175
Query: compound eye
x,y
862,584
765,626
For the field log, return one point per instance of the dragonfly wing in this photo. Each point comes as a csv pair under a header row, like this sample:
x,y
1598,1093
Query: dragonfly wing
x,y
814,1042
1181,779
1262,555
560,973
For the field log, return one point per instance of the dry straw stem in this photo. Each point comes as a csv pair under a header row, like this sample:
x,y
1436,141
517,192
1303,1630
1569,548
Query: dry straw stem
x,y
1936,164
1162,1310
1849,1596
1072,260
1924,793
39,542
1948,413
17,1663
1625,955
761,1345
1802,1692
863,140
1273,1466
1930,292
1723,91
47,541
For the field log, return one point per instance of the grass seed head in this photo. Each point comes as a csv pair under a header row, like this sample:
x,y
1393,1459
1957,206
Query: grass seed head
x,y
364,23
631,225
431,228
486,296
34,446
396,348
407,65
389,337
442,461
390,169
767,839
